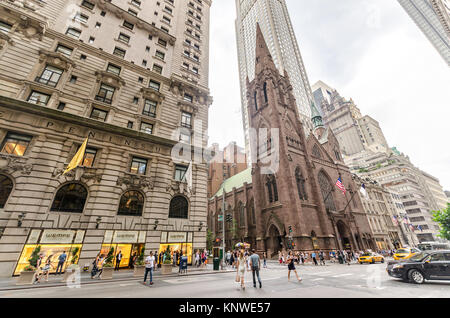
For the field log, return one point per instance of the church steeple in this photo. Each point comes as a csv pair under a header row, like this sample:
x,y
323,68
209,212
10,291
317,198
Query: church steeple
x,y
317,121
263,57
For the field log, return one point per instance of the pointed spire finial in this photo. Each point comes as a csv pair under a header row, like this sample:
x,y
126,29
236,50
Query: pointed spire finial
x,y
263,57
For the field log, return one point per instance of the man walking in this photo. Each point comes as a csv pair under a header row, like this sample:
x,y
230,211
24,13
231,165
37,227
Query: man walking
x,y
61,260
255,264
149,265
322,258
314,257
118,260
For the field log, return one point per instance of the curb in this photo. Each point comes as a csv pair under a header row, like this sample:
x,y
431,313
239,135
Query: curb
x,y
129,279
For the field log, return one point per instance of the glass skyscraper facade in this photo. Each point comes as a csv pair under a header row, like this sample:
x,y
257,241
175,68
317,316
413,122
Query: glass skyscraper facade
x,y
430,19
275,23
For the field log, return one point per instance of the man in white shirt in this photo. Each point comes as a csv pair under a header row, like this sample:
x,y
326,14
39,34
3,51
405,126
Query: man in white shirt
x,y
149,266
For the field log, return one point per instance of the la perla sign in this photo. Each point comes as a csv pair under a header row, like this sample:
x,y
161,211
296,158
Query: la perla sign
x,y
57,237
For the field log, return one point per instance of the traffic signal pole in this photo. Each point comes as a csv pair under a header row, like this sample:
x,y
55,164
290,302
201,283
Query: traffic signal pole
x,y
223,228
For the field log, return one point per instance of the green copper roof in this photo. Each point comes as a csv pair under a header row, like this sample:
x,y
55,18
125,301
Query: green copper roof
x,y
316,117
395,150
236,181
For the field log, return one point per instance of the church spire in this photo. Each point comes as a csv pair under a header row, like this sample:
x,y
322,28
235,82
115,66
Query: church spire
x,y
316,117
263,56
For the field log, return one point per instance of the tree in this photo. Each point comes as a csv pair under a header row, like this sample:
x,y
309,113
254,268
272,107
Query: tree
x,y
34,257
443,218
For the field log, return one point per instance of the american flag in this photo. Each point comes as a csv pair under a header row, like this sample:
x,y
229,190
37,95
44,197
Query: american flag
x,y
341,186
395,220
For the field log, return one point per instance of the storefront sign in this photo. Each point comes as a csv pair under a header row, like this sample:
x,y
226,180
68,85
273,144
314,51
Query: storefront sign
x,y
57,237
125,237
176,237
34,237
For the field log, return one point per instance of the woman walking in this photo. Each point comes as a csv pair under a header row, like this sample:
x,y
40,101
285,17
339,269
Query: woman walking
x,y
241,266
291,267
265,260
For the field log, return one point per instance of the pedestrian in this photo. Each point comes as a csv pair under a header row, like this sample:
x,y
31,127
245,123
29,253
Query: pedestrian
x,y
291,267
314,258
38,274
232,260
118,260
61,260
149,266
265,259
241,265
99,265
306,257
160,259
322,258
255,265
280,258
155,265
46,270
133,260
197,259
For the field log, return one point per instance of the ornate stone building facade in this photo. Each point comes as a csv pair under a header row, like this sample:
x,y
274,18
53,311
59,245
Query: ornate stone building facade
x,y
131,76
298,202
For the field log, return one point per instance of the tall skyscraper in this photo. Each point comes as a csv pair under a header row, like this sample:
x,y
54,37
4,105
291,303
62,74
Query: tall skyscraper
x,y
432,17
273,18
133,77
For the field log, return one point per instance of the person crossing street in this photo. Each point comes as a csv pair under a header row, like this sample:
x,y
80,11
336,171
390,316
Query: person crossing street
x,y
255,265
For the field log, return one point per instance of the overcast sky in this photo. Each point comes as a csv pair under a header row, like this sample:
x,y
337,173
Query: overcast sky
x,y
369,50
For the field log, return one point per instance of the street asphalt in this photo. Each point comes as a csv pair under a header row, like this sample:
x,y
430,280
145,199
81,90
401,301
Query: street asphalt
x,y
330,281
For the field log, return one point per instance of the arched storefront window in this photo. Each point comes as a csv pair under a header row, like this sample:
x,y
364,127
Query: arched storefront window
x,y
326,188
70,198
179,208
6,186
131,203
300,185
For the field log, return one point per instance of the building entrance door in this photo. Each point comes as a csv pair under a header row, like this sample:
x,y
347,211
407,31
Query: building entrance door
x,y
274,242
344,233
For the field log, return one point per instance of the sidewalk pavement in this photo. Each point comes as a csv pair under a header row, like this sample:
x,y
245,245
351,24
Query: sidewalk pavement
x,y
122,275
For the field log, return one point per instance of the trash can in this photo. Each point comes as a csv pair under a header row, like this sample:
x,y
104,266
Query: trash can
x,y
216,263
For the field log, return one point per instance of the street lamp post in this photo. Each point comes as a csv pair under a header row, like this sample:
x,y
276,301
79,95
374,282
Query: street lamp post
x,y
223,227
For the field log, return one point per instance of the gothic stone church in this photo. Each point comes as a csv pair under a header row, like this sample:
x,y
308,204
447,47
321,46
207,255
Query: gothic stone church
x,y
298,206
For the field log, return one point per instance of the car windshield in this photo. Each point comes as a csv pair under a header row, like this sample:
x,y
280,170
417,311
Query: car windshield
x,y
367,254
419,257
402,251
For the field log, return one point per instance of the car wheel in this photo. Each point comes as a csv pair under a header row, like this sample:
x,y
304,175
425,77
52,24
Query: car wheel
x,y
361,263
416,276
382,261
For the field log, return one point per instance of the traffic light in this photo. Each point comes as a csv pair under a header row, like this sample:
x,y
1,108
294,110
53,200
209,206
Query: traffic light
x,y
229,218
290,229
218,240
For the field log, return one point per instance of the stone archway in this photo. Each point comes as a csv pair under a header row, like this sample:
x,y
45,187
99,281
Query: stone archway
x,y
345,235
274,241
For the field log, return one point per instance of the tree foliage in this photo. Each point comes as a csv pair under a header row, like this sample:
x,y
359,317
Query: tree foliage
x,y
443,218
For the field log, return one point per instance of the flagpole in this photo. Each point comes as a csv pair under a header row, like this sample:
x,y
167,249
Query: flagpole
x,y
354,193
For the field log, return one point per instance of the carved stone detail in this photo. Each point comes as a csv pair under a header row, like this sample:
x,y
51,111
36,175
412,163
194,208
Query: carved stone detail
x,y
11,164
136,181
177,187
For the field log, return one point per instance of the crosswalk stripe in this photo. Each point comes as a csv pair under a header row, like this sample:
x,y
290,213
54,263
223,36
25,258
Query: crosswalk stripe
x,y
342,275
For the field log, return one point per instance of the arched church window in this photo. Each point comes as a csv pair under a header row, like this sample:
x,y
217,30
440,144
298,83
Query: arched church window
x,y
70,198
272,188
266,99
300,185
255,98
326,188
337,154
241,216
6,186
131,203
179,208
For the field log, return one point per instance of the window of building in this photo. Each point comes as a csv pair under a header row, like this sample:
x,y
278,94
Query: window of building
x,y
64,50
149,108
160,55
99,114
179,208
188,98
119,52
300,185
50,76
154,85
89,157
15,144
185,136
138,165
38,98
81,17
124,38
131,203
272,188
6,186
186,120
105,93
326,188
157,68
73,33
88,4
147,128
5,27
180,173
113,69
70,198
128,25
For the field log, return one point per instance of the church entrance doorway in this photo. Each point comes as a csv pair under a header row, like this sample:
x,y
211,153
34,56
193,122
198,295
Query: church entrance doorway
x,y
345,235
274,242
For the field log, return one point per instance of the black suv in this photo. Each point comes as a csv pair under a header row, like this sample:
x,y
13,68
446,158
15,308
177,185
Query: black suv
x,y
428,265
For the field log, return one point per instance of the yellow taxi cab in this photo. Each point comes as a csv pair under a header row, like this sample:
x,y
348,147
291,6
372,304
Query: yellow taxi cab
x,y
405,253
370,257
